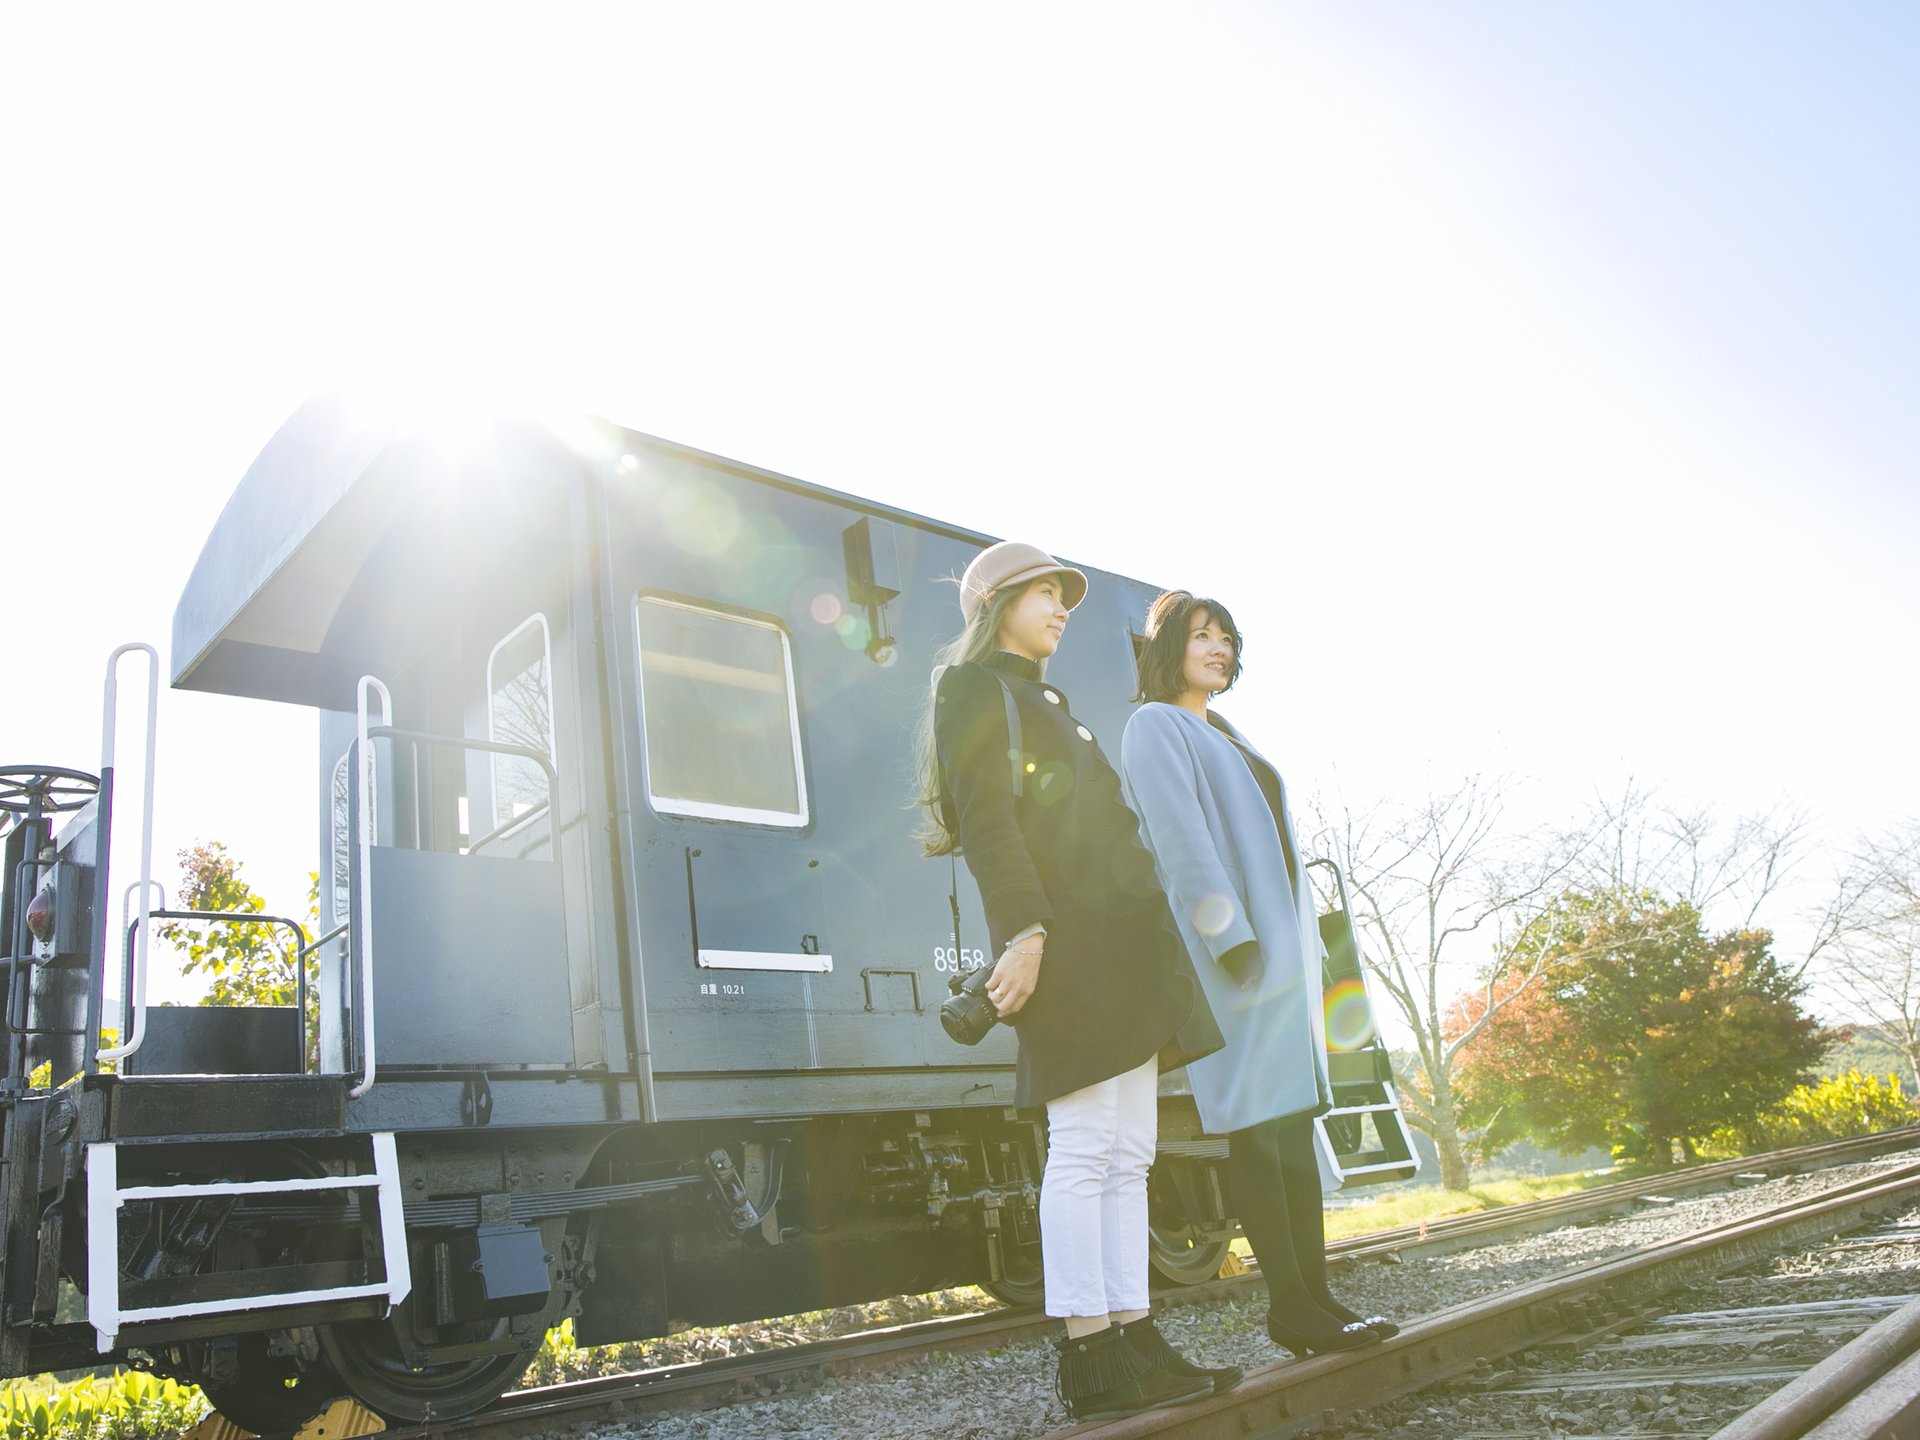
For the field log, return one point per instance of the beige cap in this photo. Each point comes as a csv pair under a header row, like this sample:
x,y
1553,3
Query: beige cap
x,y
1013,563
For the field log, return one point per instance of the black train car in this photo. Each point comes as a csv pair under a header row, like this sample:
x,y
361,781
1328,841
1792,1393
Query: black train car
x,y
626,1001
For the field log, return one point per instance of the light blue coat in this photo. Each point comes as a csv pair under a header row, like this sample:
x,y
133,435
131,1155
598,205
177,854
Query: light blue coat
x,y
1218,850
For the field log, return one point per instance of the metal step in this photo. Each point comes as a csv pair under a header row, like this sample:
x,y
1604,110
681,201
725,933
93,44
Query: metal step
x,y
105,1197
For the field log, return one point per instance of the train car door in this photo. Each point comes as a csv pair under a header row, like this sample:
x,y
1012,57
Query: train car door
x,y
790,935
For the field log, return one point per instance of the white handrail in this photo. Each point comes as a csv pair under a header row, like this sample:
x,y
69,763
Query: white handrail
x,y
126,914
136,1003
126,902
364,845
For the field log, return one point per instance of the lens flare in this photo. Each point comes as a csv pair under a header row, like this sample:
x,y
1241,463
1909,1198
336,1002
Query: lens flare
x,y
765,563
1349,1017
1212,914
1052,782
701,518
854,632
825,609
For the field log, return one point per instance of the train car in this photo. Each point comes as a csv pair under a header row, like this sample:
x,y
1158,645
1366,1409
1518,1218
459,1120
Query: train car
x,y
626,991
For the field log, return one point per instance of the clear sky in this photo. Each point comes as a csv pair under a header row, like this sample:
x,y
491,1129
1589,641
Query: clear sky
x,y
1536,382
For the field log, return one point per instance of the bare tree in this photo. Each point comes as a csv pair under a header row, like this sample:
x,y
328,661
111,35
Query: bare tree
x,y
1875,957
1641,842
1728,870
1444,890
1439,888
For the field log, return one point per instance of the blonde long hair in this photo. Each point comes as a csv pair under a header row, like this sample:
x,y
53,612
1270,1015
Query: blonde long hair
x,y
979,639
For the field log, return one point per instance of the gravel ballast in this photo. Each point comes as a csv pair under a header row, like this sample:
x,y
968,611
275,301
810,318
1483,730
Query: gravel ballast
x,y
1008,1394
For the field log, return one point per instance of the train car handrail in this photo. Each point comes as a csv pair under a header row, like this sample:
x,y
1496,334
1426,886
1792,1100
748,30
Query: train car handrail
x,y
302,948
126,901
363,844
134,1003
492,747
126,931
506,827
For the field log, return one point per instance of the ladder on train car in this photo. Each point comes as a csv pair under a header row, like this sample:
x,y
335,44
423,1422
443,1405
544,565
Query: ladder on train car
x,y
171,1298
1364,1137
171,1281
1367,1137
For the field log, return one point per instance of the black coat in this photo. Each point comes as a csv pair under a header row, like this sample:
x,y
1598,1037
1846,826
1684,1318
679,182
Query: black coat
x,y
1115,986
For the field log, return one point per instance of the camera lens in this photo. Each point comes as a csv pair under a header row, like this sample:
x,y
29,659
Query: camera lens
x,y
967,1015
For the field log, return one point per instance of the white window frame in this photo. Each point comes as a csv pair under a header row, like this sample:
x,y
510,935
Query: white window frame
x,y
338,887
796,819
501,828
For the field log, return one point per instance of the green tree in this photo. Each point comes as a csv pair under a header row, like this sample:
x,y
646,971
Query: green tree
x,y
248,962
1645,1033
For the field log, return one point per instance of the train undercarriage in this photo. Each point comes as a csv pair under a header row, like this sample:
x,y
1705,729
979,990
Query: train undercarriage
x,y
282,1265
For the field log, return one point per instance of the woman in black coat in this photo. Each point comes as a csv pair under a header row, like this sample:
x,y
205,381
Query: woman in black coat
x,y
1091,969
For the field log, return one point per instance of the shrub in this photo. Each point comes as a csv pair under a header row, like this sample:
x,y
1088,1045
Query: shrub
x,y
1833,1109
122,1406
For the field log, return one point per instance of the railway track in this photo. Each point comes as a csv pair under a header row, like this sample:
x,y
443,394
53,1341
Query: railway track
x,y
1292,1398
1582,1206
1581,1311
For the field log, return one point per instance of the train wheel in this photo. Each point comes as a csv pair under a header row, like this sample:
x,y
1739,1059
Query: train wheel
x,y
375,1373
1023,1282
1182,1254
271,1396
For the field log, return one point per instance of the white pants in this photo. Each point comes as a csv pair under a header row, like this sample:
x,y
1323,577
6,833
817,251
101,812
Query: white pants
x,y
1093,1198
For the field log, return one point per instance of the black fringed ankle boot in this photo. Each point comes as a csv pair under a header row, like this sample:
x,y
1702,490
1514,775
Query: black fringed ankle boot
x,y
1102,1377
1155,1349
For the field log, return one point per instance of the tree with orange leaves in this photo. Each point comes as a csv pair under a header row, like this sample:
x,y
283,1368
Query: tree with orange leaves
x,y
1644,1033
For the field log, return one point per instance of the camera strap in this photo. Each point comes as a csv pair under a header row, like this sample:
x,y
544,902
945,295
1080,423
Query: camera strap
x,y
1019,788
1013,736
953,899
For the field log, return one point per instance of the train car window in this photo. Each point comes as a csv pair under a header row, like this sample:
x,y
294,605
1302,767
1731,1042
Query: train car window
x,y
717,705
341,840
336,826
520,712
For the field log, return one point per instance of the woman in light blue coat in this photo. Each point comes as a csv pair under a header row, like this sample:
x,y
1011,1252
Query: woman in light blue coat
x,y
1214,813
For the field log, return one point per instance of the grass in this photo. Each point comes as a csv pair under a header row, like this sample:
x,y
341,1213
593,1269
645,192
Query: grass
x,y
1416,1207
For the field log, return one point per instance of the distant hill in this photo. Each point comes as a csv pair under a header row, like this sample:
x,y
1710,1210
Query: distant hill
x,y
1871,1053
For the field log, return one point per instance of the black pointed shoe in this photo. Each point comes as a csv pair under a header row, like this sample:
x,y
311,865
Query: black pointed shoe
x,y
1102,1377
1379,1324
1355,1335
1153,1347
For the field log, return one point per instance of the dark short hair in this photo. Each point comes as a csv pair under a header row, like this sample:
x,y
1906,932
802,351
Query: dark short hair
x,y
1163,659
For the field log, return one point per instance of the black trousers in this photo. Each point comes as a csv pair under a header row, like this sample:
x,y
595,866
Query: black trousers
x,y
1275,1182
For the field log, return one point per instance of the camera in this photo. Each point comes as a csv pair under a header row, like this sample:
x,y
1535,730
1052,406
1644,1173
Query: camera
x,y
967,1014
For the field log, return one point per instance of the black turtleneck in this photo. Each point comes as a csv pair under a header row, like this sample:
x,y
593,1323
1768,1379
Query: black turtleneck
x,y
1012,664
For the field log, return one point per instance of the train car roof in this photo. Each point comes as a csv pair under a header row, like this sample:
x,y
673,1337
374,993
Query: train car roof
x,y
294,536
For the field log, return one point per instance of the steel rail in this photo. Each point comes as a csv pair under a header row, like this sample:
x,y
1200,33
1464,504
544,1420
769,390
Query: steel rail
x,y
1888,1409
1287,1399
1425,1353
755,1376
1458,1232
1859,1391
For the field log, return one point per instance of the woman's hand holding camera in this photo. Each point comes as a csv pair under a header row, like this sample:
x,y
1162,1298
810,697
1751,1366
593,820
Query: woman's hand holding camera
x,y
1015,974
